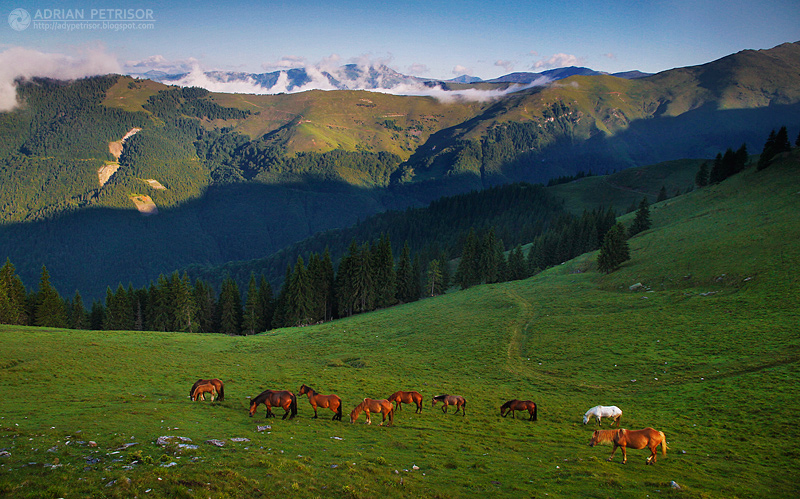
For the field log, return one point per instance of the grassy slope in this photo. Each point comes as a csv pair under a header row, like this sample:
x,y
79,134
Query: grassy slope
x,y
716,372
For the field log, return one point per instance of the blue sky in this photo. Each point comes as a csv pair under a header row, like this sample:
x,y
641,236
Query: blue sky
x,y
436,39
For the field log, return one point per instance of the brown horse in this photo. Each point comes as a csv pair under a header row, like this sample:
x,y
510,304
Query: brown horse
x,y
270,398
217,384
519,405
635,439
456,400
406,397
201,390
383,407
332,402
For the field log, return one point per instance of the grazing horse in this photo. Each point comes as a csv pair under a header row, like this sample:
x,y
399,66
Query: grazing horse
x,y
603,411
456,400
406,397
519,405
383,407
201,390
635,439
217,384
270,398
332,402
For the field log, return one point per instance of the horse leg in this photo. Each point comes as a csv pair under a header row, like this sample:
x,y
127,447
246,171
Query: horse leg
x,y
369,420
624,455
315,411
612,453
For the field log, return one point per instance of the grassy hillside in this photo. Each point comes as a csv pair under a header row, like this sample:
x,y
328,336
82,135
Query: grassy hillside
x,y
709,354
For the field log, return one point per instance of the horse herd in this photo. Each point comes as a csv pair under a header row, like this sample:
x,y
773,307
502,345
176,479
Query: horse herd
x,y
285,399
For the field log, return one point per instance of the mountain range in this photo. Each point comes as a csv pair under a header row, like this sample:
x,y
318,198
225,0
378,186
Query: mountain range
x,y
359,77
237,176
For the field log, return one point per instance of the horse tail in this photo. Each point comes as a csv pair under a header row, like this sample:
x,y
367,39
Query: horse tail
x,y
391,416
293,406
339,412
663,443
535,412
221,392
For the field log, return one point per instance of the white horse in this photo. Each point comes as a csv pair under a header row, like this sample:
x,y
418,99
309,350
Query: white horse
x,y
603,411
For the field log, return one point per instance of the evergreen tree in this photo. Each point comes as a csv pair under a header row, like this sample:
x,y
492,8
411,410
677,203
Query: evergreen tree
x,y
119,313
444,264
434,284
206,306
229,308
50,310
488,267
662,194
138,299
299,304
97,316
251,320
797,141
158,305
12,297
384,275
717,174
266,305
614,250
79,317
642,220
405,278
516,264
701,179
782,141
468,271
768,152
363,282
184,309
740,159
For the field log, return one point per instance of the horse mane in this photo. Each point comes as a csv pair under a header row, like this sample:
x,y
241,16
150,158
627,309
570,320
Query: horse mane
x,y
261,397
606,435
440,397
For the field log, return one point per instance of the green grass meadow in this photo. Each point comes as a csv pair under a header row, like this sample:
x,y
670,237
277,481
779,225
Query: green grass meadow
x,y
709,353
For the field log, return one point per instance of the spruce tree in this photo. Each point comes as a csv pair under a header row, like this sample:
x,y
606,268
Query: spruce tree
x,y
717,173
265,303
782,141
662,194
740,159
229,309
384,275
12,297
97,316
516,264
251,318
80,320
298,296
434,282
50,311
797,141
768,152
614,250
468,272
404,276
206,306
642,220
701,179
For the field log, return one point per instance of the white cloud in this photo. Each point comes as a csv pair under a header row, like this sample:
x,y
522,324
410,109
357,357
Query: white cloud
x,y
418,69
559,60
285,62
160,63
611,56
506,65
459,70
19,62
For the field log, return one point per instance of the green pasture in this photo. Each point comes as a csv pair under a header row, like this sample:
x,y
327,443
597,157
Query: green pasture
x,y
708,352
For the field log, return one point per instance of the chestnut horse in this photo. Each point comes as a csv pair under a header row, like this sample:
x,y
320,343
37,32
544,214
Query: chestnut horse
x,y
635,439
519,405
456,400
406,397
383,407
332,402
201,390
217,384
270,398
604,411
